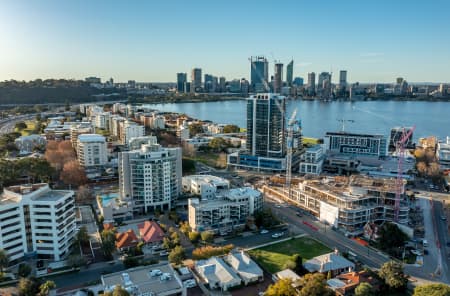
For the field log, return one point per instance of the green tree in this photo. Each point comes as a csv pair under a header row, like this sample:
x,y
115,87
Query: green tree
x,y
391,237
108,242
195,128
82,235
432,290
28,286
207,236
314,284
194,236
4,260
364,289
185,227
231,128
24,270
44,289
129,262
392,274
20,125
177,255
281,288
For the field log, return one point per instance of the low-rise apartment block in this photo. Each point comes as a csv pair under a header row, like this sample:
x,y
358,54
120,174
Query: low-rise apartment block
x,y
91,150
205,186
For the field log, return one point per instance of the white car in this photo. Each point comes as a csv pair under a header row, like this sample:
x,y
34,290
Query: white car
x,y
189,283
264,231
163,254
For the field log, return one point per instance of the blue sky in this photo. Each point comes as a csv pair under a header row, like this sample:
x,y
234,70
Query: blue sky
x,y
152,40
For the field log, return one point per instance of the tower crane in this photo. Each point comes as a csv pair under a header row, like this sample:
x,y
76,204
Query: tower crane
x,y
290,143
399,181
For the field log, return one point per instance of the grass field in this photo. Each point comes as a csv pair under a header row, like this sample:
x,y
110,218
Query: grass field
x,y
310,141
273,257
31,125
216,160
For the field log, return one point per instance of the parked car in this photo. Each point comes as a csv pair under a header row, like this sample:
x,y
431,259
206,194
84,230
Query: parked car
x,y
425,252
264,231
163,254
190,283
443,217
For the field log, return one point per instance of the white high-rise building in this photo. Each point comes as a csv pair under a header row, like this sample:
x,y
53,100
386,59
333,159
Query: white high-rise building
x,y
102,120
131,130
91,150
150,176
36,220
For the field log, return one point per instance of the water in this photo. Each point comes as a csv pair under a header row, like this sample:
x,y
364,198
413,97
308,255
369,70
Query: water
x,y
430,118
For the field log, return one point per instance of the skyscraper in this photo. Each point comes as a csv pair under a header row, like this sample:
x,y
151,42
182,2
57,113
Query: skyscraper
x,y
196,78
311,83
208,82
181,80
343,78
222,82
259,74
278,78
265,125
290,73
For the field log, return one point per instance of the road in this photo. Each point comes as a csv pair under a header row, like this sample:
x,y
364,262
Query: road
x,y
7,125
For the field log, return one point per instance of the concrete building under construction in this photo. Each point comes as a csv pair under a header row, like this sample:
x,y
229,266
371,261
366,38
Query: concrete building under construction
x,y
347,203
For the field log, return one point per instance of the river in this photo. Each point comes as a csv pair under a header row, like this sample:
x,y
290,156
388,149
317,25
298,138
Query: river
x,y
430,118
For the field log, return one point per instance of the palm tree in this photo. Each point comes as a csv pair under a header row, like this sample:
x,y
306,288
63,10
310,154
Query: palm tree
x,y
4,260
44,289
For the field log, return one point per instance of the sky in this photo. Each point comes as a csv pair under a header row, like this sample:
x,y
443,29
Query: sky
x,y
150,41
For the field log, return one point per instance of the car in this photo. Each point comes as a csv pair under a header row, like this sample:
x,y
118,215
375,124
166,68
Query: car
x,y
425,252
278,206
264,231
275,235
163,254
190,283
299,214
443,217
155,272
425,243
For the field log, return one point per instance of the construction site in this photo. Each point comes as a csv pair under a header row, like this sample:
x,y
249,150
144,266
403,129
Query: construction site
x,y
347,203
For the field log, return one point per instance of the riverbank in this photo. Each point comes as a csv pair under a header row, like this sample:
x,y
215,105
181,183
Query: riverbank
x,y
196,98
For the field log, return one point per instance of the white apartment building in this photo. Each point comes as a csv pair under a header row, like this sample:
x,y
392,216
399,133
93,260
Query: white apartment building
x,y
443,154
91,150
102,120
36,220
150,176
311,161
79,129
205,186
115,123
348,202
228,210
131,130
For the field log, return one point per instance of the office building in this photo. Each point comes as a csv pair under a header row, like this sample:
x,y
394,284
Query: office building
x,y
348,203
36,221
324,85
222,86
187,87
397,134
196,78
298,81
181,81
226,211
259,74
311,83
343,79
355,144
93,80
91,150
278,78
150,176
150,280
290,73
210,84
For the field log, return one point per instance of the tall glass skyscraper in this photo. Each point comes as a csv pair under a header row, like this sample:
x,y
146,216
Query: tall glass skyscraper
x,y
181,80
266,125
290,73
259,74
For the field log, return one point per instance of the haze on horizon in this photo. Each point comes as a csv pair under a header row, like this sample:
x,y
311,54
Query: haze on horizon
x,y
375,41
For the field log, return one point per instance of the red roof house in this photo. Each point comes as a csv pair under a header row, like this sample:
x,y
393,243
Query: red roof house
x,y
126,240
150,232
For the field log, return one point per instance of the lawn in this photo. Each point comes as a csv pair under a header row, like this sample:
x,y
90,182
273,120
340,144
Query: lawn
x,y
310,141
31,125
273,257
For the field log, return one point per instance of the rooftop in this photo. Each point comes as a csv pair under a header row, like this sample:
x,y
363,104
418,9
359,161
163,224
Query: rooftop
x,y
216,270
141,280
36,192
90,138
328,262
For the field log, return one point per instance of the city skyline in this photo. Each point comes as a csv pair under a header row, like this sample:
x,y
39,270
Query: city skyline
x,y
151,42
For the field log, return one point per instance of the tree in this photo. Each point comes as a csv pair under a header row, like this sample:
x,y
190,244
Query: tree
x,y
167,243
77,260
194,236
391,237
73,174
392,274
82,235
207,236
298,260
177,255
108,242
195,128
231,128
314,284
44,289
432,290
84,195
20,125
185,227
4,260
282,287
28,286
364,289
129,262
118,291
421,167
24,270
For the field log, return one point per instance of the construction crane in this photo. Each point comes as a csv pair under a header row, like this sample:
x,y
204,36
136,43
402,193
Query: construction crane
x,y
399,181
290,143
343,121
